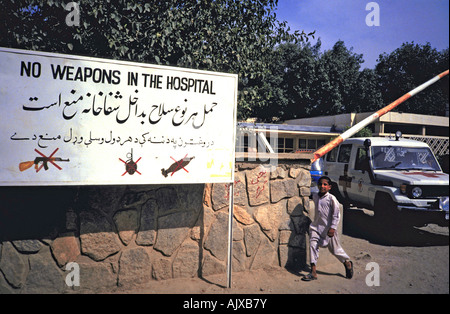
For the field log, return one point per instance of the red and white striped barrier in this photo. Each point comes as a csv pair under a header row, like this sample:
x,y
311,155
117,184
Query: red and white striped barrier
x,y
354,129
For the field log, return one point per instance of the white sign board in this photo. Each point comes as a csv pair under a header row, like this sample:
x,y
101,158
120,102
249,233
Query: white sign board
x,y
71,120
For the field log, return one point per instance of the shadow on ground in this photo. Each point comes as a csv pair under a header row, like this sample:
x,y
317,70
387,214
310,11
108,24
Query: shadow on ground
x,y
363,224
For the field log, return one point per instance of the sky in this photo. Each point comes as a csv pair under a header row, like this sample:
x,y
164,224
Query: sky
x,y
400,21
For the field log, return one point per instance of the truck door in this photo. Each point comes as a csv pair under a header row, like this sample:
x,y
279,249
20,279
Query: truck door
x,y
359,173
342,171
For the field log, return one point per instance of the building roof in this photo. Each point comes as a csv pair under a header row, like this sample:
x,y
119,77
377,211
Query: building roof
x,y
384,141
295,129
350,119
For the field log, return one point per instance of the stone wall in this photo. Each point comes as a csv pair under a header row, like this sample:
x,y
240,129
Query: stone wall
x,y
128,236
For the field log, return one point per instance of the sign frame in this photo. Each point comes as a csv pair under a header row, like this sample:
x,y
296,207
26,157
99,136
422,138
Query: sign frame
x,y
213,115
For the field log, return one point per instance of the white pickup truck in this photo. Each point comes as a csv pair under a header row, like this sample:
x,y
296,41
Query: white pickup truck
x,y
392,177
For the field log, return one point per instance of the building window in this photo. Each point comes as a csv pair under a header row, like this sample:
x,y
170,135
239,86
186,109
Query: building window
x,y
344,153
302,143
245,143
331,156
285,145
251,144
320,143
309,145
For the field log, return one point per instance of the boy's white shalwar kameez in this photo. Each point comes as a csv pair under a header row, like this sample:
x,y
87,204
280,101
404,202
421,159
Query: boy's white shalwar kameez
x,y
327,216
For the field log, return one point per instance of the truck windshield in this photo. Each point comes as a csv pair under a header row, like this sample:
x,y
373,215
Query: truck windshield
x,y
403,158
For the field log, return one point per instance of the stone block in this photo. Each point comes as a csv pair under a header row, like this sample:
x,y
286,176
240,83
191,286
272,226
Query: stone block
x,y
269,218
239,260
238,233
104,198
212,266
172,230
207,195
162,269
240,214
97,236
297,240
220,195
13,265
277,173
65,249
252,239
126,224
295,206
240,196
166,199
280,189
258,186
71,220
304,178
294,172
217,239
134,267
44,275
301,224
96,277
28,246
305,191
266,256
147,230
186,263
284,237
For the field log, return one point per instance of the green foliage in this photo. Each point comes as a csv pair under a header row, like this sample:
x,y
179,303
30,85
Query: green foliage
x,y
281,75
220,35
406,68
306,82
364,132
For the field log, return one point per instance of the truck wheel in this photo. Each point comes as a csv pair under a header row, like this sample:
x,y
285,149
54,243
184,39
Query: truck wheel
x,y
386,212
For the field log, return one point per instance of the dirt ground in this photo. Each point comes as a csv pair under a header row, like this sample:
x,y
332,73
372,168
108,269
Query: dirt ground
x,y
411,260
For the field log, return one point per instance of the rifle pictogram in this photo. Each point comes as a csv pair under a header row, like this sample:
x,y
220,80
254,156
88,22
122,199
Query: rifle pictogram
x,y
44,160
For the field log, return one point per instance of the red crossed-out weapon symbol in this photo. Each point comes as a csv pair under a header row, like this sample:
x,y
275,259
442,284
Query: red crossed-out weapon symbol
x,y
179,164
44,159
130,164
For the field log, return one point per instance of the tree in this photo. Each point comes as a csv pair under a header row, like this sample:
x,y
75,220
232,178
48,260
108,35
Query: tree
x,y
220,35
366,95
288,88
306,82
338,71
406,68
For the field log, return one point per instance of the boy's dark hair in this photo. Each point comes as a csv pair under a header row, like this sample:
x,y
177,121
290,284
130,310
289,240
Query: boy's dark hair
x,y
325,178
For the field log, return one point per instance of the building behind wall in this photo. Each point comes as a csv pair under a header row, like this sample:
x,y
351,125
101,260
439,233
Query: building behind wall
x,y
284,138
433,130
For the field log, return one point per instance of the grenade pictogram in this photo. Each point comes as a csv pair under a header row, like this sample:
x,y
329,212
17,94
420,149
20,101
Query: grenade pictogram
x,y
130,165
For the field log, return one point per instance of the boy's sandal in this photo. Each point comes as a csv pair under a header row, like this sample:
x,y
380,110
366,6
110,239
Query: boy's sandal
x,y
309,277
349,271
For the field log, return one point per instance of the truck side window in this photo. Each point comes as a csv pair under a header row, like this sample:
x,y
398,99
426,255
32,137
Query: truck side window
x,y
331,156
362,161
344,153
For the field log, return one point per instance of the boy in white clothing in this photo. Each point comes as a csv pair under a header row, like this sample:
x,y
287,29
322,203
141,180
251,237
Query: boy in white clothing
x,y
323,229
